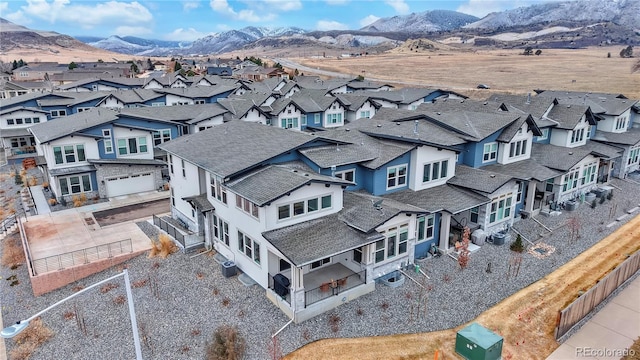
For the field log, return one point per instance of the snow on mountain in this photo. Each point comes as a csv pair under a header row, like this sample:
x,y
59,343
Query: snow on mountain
x,y
621,12
435,20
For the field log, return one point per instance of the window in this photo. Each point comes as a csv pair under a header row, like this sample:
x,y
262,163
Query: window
x,y
157,104
571,180
490,152
58,113
247,206
220,230
425,227
348,175
334,119
621,122
473,214
106,140
199,102
589,173
173,199
500,208
303,207
319,263
634,155
395,243
434,171
184,171
68,154
130,146
11,122
365,114
18,142
357,255
303,119
36,120
317,118
170,158
81,109
217,190
161,136
518,148
74,184
19,121
577,136
544,136
249,247
549,186
519,194
589,132
396,176
289,123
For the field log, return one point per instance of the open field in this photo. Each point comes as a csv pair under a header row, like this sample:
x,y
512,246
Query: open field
x,y
503,70
526,319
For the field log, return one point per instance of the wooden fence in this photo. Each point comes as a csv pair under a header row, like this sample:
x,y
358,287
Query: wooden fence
x,y
580,307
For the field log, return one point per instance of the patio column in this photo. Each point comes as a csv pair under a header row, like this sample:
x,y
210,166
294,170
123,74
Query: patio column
x,y
531,196
445,228
297,286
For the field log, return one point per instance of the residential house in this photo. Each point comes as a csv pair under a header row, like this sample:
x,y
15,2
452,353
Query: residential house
x,y
15,138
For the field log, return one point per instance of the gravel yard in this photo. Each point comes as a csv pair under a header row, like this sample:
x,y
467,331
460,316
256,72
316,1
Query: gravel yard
x,y
180,301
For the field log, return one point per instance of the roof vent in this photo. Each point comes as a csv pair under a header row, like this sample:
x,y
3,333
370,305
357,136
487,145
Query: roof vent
x,y
438,113
415,127
569,106
347,129
528,98
397,123
485,103
570,152
379,125
492,176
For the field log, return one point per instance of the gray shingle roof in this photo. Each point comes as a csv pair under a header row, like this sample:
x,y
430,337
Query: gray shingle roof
x,y
462,104
21,108
401,96
197,91
313,240
629,137
72,170
473,125
534,105
444,197
185,113
201,202
127,161
566,115
600,103
511,130
358,210
66,125
272,182
478,179
524,170
233,147
558,157
603,150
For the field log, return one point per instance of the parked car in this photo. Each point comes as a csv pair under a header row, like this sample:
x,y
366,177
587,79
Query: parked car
x,y
483,86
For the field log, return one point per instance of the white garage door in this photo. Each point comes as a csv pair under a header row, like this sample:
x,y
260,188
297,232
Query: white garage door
x,y
130,184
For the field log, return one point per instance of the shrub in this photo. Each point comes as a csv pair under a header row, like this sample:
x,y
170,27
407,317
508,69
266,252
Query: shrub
x,y
13,254
517,245
17,178
334,322
108,287
52,202
79,200
120,300
163,247
227,344
30,339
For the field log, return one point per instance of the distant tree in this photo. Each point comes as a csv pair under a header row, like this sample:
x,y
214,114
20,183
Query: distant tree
x,y
278,65
72,65
177,66
149,64
191,73
296,72
538,52
636,66
134,68
18,64
15,65
528,51
360,78
100,61
627,52
608,54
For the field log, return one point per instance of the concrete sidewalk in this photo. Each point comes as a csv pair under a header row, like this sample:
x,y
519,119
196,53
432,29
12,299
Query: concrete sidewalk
x,y
609,333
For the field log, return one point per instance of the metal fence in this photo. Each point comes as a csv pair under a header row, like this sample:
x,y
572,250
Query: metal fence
x,y
334,288
170,229
81,257
583,305
7,223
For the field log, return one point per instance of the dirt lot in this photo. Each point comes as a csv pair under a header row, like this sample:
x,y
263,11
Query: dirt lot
x,y
503,70
526,337
131,212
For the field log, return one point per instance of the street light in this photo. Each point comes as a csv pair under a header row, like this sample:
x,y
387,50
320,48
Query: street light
x,y
18,327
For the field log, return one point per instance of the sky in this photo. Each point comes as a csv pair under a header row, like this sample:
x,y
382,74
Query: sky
x,y
187,20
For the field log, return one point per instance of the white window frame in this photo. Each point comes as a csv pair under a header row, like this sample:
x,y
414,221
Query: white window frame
x,y
70,186
489,152
106,141
303,120
317,118
519,193
139,146
365,114
217,191
500,208
199,102
249,247
304,207
621,122
220,230
289,123
346,174
85,108
319,263
334,119
397,177
58,113
434,171
426,228
544,136
76,151
589,172
634,156
247,206
571,180
518,148
161,136
396,237
577,136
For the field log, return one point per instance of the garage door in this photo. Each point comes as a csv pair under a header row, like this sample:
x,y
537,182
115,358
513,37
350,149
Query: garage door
x,y
130,184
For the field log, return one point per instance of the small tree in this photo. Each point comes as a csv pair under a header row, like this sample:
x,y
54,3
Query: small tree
x,y
177,66
574,228
627,52
72,65
517,245
227,344
528,51
464,255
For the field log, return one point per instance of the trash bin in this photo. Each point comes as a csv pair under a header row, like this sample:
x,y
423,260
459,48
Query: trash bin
x,y
228,269
281,285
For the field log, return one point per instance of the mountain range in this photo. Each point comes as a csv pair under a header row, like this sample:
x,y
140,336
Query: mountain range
x,y
599,22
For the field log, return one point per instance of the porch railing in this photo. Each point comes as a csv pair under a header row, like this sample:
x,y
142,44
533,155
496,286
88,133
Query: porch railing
x,y
334,288
81,257
170,229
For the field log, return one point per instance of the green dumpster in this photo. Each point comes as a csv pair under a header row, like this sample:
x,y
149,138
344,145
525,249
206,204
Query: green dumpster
x,y
476,342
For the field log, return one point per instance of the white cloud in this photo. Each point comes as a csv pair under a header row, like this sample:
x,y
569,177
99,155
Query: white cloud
x,y
132,31
284,5
481,8
399,6
368,20
325,25
4,6
223,7
18,18
336,2
190,5
181,34
86,14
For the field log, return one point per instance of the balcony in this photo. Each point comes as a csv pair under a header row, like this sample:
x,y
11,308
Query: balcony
x,y
23,150
330,281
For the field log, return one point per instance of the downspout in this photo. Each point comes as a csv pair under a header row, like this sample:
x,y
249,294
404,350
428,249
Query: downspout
x,y
282,328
